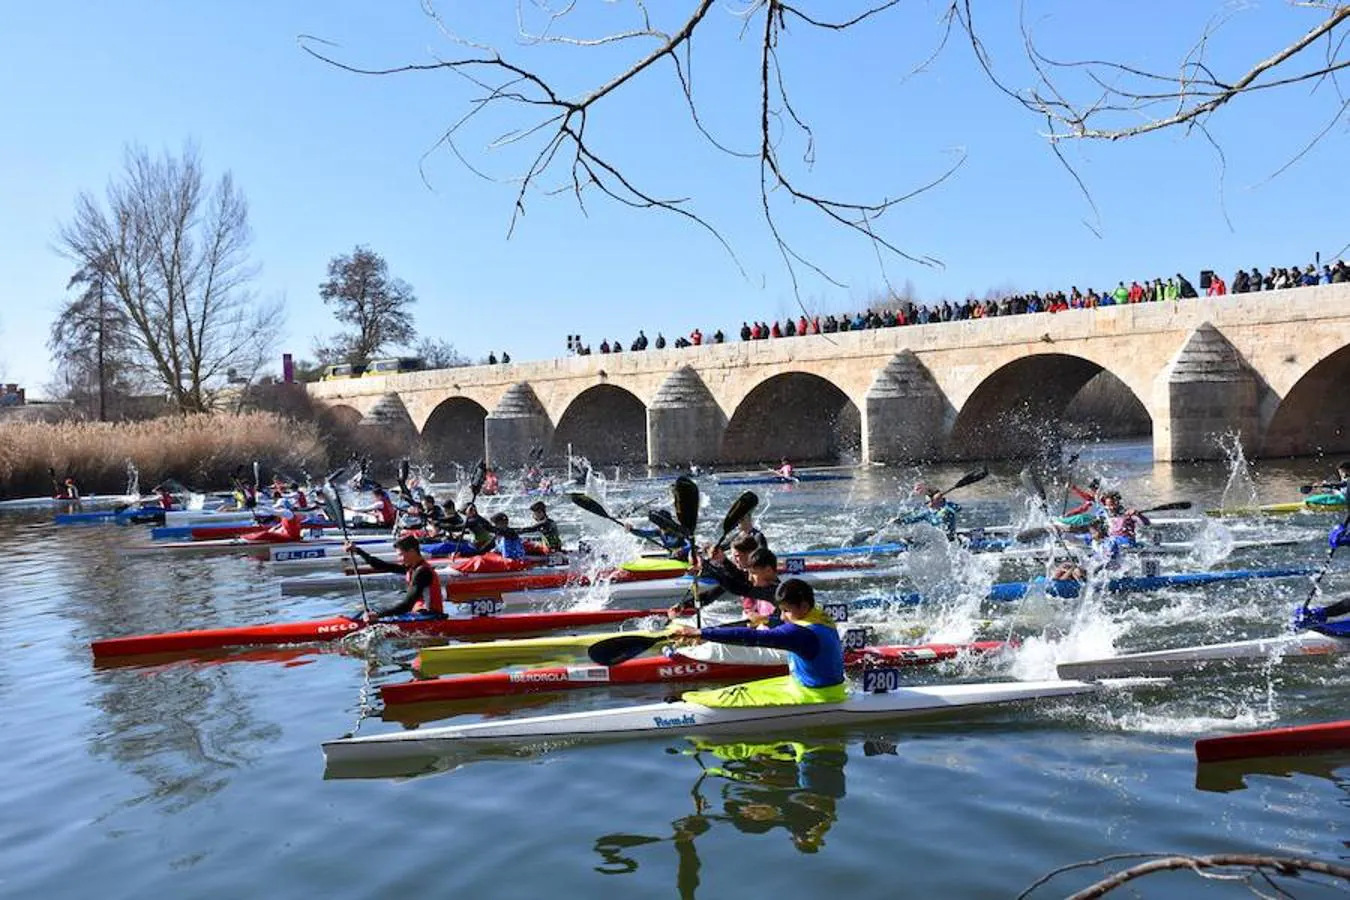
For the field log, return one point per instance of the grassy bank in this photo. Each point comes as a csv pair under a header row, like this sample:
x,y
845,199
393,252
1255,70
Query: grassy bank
x,y
200,451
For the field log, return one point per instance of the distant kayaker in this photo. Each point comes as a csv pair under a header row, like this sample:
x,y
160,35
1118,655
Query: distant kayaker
x,y
815,655
546,528
491,484
165,498
1122,524
383,511
69,490
424,594
785,469
1342,486
938,512
479,528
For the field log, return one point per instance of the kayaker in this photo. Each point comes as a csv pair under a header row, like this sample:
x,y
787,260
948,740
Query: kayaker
x,y
815,655
1121,523
1341,487
1084,513
1325,618
785,470
546,528
1104,554
751,574
508,543
382,510
675,543
424,596
938,512
289,527
479,529
491,484
69,490
165,497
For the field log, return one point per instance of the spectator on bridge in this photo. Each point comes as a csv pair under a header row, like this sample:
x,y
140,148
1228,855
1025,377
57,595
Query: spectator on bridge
x,y
789,328
1276,280
1121,295
1326,275
1254,280
696,337
1136,292
506,357
640,343
616,347
775,331
1340,273
1171,290
1185,287
1309,276
604,346
492,358
660,341
1217,288
719,337
802,324
745,331
1241,283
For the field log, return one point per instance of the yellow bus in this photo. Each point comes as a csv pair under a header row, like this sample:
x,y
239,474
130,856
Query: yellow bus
x,y
342,370
394,365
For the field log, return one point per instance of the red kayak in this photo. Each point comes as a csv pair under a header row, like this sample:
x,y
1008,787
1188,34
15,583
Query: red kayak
x,y
340,626
1276,742
647,670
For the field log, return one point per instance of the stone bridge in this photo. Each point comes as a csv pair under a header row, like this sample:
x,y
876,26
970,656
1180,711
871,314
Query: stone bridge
x,y
1272,367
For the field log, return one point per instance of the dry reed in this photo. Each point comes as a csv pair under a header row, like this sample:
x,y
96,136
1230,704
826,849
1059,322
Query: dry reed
x,y
200,451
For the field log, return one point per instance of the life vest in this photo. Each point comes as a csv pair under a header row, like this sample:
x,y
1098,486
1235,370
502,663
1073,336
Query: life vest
x,y
433,600
511,546
828,667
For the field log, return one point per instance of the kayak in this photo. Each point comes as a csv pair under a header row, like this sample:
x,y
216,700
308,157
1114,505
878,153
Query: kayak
x,y
1313,504
87,499
1187,659
135,515
779,479
645,670
684,717
341,626
1016,590
239,545
1298,739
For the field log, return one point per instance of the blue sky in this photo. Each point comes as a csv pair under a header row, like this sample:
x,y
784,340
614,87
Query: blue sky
x,y
330,159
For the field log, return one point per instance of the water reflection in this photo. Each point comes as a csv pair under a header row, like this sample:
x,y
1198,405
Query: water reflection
x,y
757,788
1231,775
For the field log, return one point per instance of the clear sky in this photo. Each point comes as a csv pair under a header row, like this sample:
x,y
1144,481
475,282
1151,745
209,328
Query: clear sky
x,y
330,159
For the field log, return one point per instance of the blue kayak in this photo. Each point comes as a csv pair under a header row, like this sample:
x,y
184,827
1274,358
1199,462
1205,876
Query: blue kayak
x,y
135,515
779,479
1016,590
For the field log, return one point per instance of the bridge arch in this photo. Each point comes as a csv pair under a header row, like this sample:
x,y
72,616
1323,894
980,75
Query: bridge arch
x,y
1314,416
344,415
453,433
1019,409
797,415
605,424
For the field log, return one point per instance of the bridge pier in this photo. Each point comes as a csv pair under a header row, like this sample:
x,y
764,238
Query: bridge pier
x,y
905,413
684,422
1208,391
516,427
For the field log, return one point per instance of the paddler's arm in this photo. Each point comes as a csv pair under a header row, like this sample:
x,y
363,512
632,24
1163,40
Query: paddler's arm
x,y
379,565
793,638
421,580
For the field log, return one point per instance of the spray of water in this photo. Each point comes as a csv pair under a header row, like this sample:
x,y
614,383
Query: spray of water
x,y
1240,489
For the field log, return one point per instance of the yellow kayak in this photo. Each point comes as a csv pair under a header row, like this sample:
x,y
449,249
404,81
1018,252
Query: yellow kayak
x,y
1317,503
487,656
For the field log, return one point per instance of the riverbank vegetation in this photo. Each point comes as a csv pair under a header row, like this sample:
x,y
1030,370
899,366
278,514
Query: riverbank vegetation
x,y
202,451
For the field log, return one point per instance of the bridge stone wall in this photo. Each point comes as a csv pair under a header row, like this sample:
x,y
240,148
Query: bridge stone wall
x,y
983,388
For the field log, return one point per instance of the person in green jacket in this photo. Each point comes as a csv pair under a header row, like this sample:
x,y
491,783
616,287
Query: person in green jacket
x,y
1121,294
1171,291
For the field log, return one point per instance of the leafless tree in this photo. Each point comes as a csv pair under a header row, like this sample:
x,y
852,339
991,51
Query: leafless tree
x,y
560,132
173,256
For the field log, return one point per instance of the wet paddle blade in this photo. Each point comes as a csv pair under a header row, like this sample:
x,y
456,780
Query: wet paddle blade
x,y
968,479
1165,507
1030,535
612,651
591,505
1032,485
860,536
666,522
686,494
745,504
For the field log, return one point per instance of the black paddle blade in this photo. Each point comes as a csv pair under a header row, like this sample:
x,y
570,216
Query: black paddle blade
x,y
861,536
590,504
612,651
1029,535
666,522
1032,484
1179,504
332,505
479,476
745,504
1305,489
685,490
967,479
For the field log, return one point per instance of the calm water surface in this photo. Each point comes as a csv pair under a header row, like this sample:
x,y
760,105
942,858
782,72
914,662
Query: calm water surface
x,y
205,778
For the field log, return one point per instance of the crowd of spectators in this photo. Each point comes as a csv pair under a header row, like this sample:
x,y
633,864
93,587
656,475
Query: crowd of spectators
x,y
907,312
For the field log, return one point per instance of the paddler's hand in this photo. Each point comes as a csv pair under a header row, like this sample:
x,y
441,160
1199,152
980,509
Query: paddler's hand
x,y
370,618
348,546
686,631
677,611
696,564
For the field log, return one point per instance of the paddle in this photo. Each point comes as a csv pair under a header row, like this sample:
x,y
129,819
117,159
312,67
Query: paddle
x,y
56,485
1068,482
623,647
967,479
591,505
1324,486
1333,542
686,497
476,485
333,506
1035,534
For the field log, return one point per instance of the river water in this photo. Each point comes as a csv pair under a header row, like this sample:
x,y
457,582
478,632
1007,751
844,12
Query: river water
x,y
205,778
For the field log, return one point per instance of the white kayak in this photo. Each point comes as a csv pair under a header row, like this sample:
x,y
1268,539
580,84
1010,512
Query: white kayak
x,y
86,500
683,717
1187,659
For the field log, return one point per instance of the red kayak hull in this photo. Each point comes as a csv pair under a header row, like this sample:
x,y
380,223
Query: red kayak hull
x,y
340,626
646,670
1276,742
